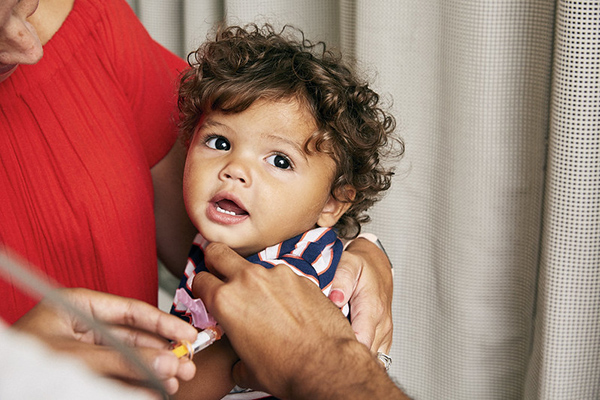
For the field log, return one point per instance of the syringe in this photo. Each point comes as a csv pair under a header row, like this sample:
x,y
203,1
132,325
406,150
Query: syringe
x,y
204,339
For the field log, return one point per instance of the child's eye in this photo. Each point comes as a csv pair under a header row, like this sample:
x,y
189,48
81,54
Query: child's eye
x,y
218,143
280,161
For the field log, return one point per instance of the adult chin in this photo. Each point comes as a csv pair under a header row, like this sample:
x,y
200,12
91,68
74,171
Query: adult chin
x,y
7,70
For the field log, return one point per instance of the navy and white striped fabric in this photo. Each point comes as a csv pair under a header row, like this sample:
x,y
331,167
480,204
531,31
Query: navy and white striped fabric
x,y
314,254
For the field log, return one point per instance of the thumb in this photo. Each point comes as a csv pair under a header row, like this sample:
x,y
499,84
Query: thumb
x,y
344,282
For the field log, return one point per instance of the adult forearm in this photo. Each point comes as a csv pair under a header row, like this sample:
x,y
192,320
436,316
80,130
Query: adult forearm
x,y
363,377
174,230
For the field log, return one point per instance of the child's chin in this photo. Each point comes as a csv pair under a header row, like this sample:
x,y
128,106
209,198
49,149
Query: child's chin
x,y
240,248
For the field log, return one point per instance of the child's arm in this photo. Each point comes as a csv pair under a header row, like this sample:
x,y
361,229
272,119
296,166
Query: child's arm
x,y
213,378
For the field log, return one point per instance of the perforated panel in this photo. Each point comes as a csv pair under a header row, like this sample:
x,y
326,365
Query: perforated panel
x,y
470,82
567,341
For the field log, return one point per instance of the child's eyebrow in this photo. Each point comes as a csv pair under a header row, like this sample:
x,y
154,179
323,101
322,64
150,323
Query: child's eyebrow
x,y
296,146
208,122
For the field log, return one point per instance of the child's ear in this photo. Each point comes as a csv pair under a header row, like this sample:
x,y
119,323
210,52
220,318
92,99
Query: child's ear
x,y
334,209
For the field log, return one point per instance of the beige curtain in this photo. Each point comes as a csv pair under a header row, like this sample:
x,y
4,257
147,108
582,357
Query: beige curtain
x,y
493,220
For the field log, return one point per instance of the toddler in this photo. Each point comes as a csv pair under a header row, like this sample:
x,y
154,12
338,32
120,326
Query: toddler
x,y
285,151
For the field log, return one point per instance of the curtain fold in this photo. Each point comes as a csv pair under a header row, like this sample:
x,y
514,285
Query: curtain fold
x,y
470,82
493,219
565,362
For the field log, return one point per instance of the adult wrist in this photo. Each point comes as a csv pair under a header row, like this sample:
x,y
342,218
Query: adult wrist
x,y
375,240
350,372
330,370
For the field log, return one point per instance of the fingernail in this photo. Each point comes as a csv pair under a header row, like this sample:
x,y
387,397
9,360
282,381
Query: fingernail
x,y
337,296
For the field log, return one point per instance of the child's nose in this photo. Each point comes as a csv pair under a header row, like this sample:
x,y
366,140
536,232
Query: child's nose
x,y
236,170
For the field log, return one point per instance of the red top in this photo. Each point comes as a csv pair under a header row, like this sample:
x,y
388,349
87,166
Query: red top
x,y
79,133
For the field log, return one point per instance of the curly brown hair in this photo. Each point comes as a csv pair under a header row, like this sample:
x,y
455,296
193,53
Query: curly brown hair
x,y
244,64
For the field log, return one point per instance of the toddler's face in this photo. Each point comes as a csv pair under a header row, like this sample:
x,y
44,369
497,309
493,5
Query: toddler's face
x,y
248,181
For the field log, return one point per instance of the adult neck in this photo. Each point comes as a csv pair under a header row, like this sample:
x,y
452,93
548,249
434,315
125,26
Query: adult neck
x,y
49,17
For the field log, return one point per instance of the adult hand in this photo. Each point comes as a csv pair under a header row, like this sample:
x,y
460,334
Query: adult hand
x,y
364,278
136,323
293,342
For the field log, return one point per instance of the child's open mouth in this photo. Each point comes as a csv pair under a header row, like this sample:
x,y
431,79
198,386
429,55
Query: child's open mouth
x,y
226,209
229,207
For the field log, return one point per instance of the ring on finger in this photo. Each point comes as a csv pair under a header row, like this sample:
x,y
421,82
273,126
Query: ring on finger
x,y
385,359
